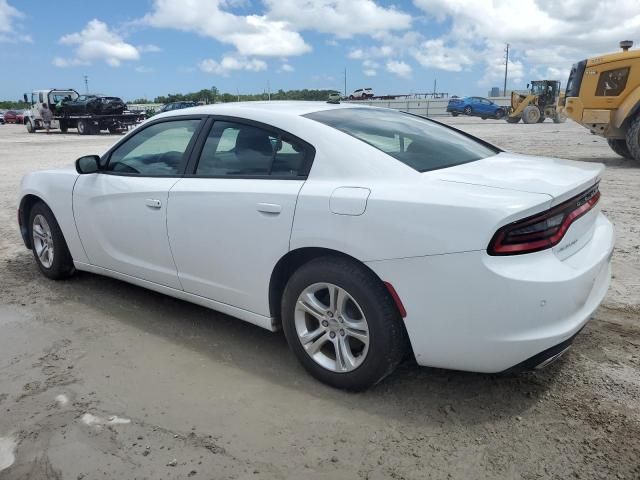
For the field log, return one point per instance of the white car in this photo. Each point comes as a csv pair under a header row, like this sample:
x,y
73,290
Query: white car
x,y
361,94
366,234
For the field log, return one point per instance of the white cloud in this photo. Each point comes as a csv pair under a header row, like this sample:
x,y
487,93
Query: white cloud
x,y
149,48
342,18
67,62
399,68
143,69
8,15
229,64
97,42
434,54
252,35
369,72
285,67
564,32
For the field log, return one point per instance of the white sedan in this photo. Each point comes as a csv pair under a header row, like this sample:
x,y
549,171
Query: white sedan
x,y
366,234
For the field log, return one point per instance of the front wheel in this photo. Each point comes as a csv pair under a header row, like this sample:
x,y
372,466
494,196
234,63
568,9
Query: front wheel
x,y
342,324
633,138
48,244
619,146
30,127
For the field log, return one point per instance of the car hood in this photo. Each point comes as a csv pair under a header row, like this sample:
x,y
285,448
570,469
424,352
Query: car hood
x,y
560,179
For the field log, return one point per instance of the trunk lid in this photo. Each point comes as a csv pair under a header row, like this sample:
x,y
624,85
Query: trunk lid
x,y
561,179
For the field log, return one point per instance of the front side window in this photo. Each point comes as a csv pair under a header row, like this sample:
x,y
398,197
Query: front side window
x,y
417,142
235,149
157,150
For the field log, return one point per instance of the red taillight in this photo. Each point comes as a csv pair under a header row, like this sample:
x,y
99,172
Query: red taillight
x,y
543,230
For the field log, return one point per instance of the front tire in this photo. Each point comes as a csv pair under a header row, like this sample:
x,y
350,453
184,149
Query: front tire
x,y
341,323
619,146
48,244
30,127
531,114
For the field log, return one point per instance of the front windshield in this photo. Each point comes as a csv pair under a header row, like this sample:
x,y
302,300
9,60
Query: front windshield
x,y
417,142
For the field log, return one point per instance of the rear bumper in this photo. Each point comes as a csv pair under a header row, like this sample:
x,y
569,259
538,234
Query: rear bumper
x,y
471,311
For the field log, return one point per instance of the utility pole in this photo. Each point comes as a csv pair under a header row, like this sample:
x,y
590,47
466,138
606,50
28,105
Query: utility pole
x,y
435,83
506,69
269,89
345,81
86,84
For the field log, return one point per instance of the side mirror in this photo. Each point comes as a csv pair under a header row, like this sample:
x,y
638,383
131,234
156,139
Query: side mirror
x,y
88,164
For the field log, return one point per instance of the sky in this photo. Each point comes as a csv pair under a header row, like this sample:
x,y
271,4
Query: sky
x,y
145,48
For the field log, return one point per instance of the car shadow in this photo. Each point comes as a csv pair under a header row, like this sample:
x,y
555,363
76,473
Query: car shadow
x,y
423,395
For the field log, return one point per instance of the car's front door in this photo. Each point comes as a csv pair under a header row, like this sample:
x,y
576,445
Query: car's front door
x,y
120,212
230,220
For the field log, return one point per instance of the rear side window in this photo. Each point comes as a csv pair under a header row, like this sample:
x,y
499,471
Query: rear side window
x,y
417,142
236,149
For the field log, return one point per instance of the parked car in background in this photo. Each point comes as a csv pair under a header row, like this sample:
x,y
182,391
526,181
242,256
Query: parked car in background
x,y
91,104
475,107
176,106
364,233
361,94
334,97
20,117
10,116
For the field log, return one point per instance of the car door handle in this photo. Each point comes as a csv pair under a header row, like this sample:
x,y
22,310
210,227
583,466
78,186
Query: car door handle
x,y
272,208
153,203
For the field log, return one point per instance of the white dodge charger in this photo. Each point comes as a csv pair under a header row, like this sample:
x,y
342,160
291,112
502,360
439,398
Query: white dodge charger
x,y
366,234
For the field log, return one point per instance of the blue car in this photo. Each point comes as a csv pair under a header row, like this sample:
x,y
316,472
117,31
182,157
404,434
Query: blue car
x,y
475,107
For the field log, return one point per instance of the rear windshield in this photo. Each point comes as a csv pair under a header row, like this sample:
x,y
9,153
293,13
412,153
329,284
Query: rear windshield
x,y
417,142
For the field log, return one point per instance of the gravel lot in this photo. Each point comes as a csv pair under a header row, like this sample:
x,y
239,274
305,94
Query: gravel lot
x,y
101,379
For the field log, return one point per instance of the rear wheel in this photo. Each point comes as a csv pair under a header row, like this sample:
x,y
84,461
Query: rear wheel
x,y
619,146
468,110
48,244
83,127
454,114
342,324
64,126
633,138
531,114
483,118
559,117
30,127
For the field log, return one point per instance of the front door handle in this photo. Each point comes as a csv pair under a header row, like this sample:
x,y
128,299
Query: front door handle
x,y
272,208
153,203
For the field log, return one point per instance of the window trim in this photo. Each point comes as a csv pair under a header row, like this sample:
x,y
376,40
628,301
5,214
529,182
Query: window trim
x,y
186,156
192,166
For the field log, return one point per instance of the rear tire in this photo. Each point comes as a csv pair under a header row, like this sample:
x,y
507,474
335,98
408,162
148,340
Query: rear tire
x,y
468,110
633,138
531,114
619,146
367,313
559,117
48,244
64,126
30,127
454,114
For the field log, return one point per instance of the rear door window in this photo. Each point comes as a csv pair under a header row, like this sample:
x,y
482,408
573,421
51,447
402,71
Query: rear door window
x,y
241,150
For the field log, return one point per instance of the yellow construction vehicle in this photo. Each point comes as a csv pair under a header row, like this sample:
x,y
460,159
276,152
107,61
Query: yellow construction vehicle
x,y
603,95
540,103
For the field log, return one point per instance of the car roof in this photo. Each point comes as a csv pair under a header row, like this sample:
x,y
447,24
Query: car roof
x,y
282,107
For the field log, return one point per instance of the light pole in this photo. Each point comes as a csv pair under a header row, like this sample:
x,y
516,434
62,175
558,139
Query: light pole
x,y
506,69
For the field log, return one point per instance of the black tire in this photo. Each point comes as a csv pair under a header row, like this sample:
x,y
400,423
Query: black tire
x,y
30,127
454,114
468,110
114,130
64,126
619,146
542,118
513,119
62,264
483,118
531,114
387,337
85,127
499,114
633,138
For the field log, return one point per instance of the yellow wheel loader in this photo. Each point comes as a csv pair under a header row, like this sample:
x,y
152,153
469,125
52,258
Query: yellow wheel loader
x,y
538,104
603,95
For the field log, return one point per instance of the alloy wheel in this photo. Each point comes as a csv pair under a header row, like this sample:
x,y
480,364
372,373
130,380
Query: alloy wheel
x,y
332,327
43,241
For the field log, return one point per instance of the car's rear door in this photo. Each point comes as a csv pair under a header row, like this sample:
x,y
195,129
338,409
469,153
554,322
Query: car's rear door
x,y
230,218
120,212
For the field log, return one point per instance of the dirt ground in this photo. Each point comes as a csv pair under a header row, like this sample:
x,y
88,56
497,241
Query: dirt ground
x,y
101,379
